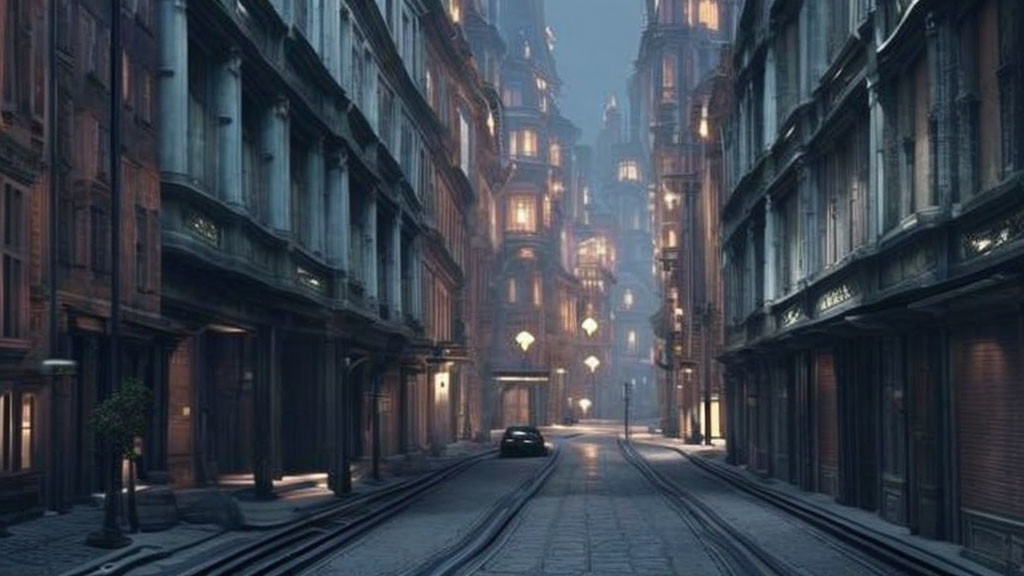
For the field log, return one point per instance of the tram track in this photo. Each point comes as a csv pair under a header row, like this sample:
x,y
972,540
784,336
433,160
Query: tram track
x,y
735,552
840,531
307,542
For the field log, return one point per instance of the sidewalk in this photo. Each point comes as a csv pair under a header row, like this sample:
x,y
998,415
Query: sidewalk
x,y
55,544
863,522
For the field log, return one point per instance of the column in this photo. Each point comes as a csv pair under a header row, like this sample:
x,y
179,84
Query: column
x,y
276,144
229,128
315,195
172,84
417,279
338,227
771,251
332,50
370,260
395,285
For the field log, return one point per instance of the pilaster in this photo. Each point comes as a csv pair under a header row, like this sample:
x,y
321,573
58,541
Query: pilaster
x,y
395,285
338,223
229,127
277,146
370,259
172,84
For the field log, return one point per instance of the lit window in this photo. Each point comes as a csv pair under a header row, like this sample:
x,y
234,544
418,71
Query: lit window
x,y
631,342
523,143
547,211
521,215
670,239
708,15
512,291
455,10
627,299
490,123
537,291
629,171
28,406
555,154
668,77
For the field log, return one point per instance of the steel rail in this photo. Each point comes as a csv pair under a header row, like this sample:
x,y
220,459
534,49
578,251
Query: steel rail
x,y
910,560
330,529
479,541
734,552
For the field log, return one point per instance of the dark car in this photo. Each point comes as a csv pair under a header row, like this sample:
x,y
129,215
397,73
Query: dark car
x,y
523,441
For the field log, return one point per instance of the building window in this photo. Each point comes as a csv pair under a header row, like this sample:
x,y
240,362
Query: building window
x,y
13,282
100,228
631,342
547,211
512,95
538,299
197,114
5,431
555,154
141,249
523,143
668,77
627,299
512,296
464,144
386,114
629,171
28,410
708,14
126,79
521,215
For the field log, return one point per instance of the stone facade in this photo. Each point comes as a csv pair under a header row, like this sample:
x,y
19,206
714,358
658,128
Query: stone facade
x,y
872,251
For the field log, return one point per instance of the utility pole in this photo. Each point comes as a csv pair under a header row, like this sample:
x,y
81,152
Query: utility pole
x,y
625,398
110,536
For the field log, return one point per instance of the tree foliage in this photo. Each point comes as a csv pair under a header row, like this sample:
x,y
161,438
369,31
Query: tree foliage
x,y
122,417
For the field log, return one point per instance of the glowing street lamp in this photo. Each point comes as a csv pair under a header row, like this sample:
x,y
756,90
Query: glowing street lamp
x,y
585,405
592,362
524,339
589,326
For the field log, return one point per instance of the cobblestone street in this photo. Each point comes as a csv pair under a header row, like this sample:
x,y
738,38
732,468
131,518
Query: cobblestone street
x,y
597,515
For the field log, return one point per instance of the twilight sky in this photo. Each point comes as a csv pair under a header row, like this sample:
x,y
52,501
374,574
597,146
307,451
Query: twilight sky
x,y
597,43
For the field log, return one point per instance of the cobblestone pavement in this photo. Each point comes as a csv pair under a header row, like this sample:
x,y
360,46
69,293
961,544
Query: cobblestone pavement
x,y
51,544
801,546
434,522
598,516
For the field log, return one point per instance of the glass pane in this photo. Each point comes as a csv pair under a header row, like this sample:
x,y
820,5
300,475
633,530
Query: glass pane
x,y
27,410
5,440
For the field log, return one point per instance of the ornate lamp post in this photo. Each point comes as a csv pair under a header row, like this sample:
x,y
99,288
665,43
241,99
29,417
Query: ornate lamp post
x,y
593,362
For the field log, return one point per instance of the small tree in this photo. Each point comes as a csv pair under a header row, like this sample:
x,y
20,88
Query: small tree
x,y
119,420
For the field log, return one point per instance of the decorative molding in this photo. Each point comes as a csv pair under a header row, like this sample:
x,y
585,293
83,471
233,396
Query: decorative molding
x,y
838,294
203,228
791,316
985,239
310,280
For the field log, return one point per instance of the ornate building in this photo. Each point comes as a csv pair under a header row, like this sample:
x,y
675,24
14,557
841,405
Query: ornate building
x,y
535,321
57,173
679,48
873,252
